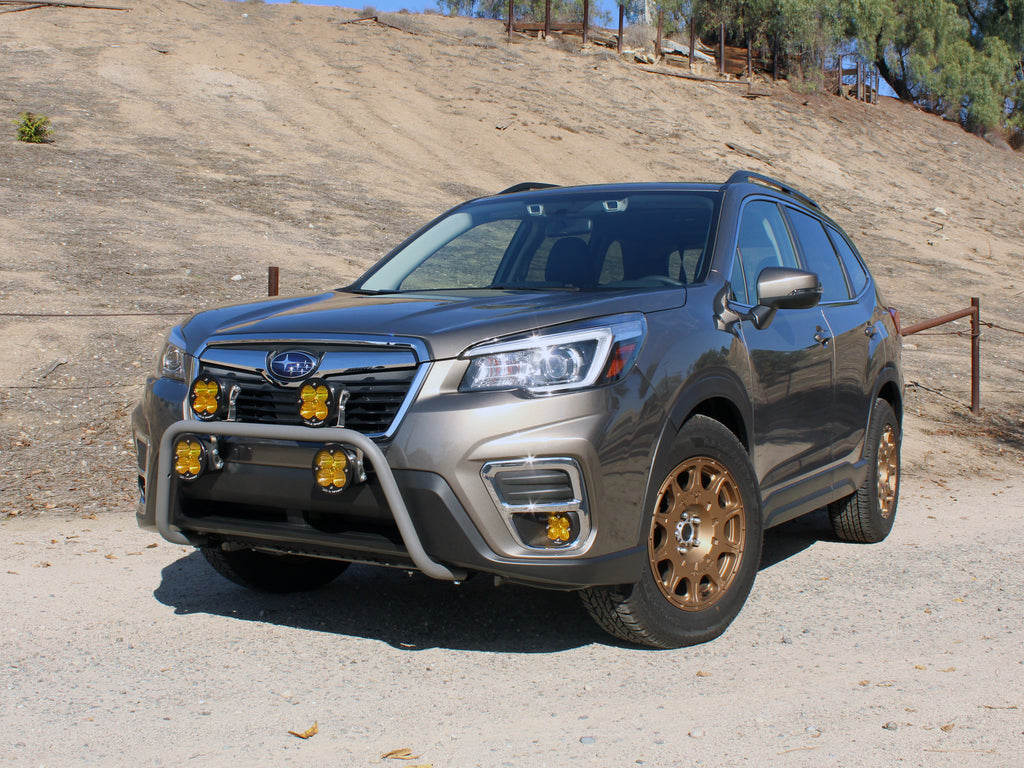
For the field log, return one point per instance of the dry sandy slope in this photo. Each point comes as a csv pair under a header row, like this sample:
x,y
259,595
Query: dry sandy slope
x,y
197,141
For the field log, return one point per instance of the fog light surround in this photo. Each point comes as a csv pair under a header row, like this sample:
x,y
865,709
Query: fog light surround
x,y
543,502
191,459
335,468
206,398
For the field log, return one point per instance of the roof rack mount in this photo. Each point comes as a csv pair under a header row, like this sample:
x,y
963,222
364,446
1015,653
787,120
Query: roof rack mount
x,y
743,177
526,186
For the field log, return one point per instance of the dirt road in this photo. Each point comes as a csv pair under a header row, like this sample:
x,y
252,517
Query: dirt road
x,y
117,652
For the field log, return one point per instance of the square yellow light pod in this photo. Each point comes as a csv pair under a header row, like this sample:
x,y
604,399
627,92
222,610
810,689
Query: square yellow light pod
x,y
190,458
206,398
316,402
333,468
559,528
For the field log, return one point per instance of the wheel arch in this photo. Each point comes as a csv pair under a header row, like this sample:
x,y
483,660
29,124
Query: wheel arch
x,y
888,388
719,396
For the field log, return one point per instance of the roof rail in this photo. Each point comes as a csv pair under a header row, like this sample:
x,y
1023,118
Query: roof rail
x,y
526,186
741,177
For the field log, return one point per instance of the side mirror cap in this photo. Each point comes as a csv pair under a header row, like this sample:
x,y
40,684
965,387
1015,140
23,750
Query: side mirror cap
x,y
787,288
783,288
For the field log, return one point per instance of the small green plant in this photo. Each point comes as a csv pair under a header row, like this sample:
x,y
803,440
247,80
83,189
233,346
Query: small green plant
x,y
33,128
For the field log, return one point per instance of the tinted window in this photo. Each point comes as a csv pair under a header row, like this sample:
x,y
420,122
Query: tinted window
x,y
762,242
603,238
855,269
820,256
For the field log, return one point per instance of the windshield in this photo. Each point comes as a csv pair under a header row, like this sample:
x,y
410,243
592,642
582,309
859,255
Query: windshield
x,y
573,240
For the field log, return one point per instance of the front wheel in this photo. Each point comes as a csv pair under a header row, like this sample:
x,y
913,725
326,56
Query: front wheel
x,y
703,545
267,572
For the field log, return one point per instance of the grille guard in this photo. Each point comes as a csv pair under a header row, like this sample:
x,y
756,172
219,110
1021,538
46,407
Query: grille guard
x,y
369,448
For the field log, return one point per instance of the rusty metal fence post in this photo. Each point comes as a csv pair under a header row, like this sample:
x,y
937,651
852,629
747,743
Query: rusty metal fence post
x,y
974,312
586,21
273,277
975,356
547,19
511,9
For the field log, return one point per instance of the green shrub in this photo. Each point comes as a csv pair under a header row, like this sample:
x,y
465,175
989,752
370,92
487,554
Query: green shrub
x,y
33,128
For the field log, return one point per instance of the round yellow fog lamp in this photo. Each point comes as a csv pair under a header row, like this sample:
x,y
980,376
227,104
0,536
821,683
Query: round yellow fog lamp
x,y
190,458
206,398
333,468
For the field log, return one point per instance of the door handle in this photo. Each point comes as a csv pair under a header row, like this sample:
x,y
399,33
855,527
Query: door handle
x,y
870,330
822,337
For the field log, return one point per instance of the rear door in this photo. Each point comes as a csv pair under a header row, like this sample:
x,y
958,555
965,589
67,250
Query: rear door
x,y
848,309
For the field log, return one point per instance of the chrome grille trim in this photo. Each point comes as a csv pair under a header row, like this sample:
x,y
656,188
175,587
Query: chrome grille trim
x,y
382,378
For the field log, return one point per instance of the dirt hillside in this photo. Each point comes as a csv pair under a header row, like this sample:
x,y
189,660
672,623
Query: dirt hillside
x,y
196,143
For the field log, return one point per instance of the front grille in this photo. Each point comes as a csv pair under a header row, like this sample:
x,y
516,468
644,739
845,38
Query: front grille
x,y
376,397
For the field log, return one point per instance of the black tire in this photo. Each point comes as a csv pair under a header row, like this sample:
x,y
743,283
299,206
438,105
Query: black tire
x,y
867,515
266,572
700,569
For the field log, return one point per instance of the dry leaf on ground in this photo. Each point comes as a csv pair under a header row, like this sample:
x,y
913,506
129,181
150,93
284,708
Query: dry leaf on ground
x,y
313,730
399,754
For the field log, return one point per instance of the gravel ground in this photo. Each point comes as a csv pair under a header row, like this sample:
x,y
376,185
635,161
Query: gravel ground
x,y
121,651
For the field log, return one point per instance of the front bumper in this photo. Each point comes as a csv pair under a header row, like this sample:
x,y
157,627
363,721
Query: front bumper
x,y
385,477
400,517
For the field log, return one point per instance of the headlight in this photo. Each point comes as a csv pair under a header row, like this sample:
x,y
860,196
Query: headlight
x,y
171,363
598,353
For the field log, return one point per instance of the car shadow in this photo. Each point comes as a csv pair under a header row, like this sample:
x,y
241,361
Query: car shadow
x,y
408,611
784,541
412,612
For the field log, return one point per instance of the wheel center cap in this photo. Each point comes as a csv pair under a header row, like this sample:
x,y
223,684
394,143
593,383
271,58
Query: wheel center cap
x,y
687,532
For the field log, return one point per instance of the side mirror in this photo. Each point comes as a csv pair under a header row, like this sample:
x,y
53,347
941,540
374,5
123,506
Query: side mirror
x,y
784,288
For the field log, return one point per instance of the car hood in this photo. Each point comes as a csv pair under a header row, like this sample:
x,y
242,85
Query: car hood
x,y
447,323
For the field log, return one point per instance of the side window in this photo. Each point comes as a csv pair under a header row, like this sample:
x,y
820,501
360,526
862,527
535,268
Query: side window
x,y
855,268
763,241
820,256
470,260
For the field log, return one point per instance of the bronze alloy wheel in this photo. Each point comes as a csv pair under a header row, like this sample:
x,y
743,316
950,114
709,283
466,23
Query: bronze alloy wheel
x,y
888,471
697,534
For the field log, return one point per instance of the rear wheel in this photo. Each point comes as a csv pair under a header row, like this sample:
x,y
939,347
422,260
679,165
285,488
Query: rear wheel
x,y
703,545
267,572
867,515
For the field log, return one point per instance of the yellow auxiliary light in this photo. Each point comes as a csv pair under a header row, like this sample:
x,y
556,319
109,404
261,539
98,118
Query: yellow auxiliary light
x,y
316,401
206,398
189,458
559,528
333,468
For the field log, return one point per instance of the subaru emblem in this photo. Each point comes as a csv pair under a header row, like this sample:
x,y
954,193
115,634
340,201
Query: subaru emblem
x,y
293,365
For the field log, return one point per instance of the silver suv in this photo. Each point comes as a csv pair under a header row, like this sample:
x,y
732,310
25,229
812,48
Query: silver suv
x,y
611,389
